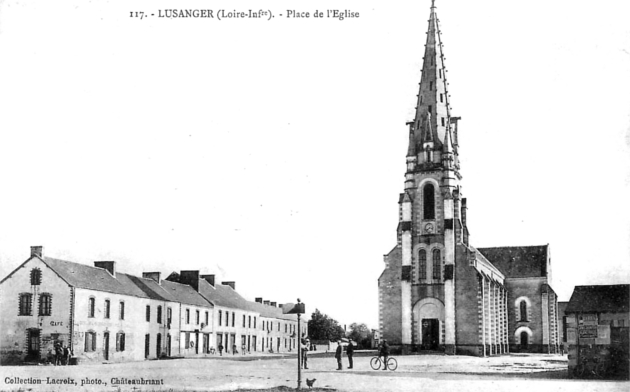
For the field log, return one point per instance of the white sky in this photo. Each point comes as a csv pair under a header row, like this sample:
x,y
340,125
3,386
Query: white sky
x,y
272,152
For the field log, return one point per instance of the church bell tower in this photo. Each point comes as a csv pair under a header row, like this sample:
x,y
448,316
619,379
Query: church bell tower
x,y
428,207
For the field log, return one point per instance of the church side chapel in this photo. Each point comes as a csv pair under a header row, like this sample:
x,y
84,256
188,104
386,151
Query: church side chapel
x,y
438,292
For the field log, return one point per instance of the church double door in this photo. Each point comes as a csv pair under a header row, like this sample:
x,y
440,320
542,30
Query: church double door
x,y
430,334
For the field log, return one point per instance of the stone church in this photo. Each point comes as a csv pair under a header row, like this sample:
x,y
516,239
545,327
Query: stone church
x,y
438,292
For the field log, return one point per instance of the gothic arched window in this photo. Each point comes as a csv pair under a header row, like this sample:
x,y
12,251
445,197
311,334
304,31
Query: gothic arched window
x,y
429,201
422,270
437,265
523,306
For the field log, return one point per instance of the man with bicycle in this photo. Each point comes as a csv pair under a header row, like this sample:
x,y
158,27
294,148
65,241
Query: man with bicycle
x,y
384,352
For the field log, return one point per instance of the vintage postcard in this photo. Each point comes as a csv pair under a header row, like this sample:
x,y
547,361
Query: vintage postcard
x,y
341,196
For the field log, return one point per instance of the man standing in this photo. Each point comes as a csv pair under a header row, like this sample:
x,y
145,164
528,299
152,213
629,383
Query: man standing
x,y
304,346
384,353
58,354
349,352
66,355
338,355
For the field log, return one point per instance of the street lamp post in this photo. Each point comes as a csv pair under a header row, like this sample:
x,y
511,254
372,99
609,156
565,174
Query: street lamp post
x,y
297,309
299,352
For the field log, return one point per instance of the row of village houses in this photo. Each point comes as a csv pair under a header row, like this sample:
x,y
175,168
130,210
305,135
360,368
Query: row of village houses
x,y
105,315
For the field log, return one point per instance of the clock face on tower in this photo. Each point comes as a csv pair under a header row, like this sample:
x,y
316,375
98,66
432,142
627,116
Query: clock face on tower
x,y
428,228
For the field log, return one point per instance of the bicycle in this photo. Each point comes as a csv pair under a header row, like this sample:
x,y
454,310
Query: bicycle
x,y
377,362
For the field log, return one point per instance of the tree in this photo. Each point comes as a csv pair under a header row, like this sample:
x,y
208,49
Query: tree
x,y
361,334
322,327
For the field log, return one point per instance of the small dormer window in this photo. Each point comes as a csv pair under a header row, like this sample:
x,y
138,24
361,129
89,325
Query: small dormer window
x,y
36,277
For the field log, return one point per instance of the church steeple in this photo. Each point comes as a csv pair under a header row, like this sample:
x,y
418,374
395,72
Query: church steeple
x,y
432,118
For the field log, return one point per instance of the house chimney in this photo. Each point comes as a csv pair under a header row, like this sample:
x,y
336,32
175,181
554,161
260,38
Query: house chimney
x,y
209,279
37,251
266,302
273,304
152,275
190,278
231,284
109,266
259,300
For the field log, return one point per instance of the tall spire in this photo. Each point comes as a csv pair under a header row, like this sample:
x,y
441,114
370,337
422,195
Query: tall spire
x,y
433,92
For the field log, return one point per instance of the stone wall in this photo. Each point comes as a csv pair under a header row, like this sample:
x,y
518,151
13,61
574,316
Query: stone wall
x,y
389,292
468,306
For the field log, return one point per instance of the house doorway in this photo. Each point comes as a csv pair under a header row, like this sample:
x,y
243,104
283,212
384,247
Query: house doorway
x,y
33,344
106,345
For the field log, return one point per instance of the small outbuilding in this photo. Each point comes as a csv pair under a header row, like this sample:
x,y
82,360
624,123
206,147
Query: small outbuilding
x,y
598,332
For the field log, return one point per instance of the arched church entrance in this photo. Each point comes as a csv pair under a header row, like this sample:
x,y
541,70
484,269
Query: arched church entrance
x,y
524,340
428,315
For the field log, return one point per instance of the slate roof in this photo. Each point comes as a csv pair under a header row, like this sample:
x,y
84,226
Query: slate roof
x,y
226,296
271,311
221,295
93,278
518,261
184,293
604,298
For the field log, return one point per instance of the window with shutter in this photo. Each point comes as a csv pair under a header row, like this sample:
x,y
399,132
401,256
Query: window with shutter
x,y
45,304
26,305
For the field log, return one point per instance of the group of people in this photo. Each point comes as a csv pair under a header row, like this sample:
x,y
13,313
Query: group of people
x,y
62,354
383,351
349,353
